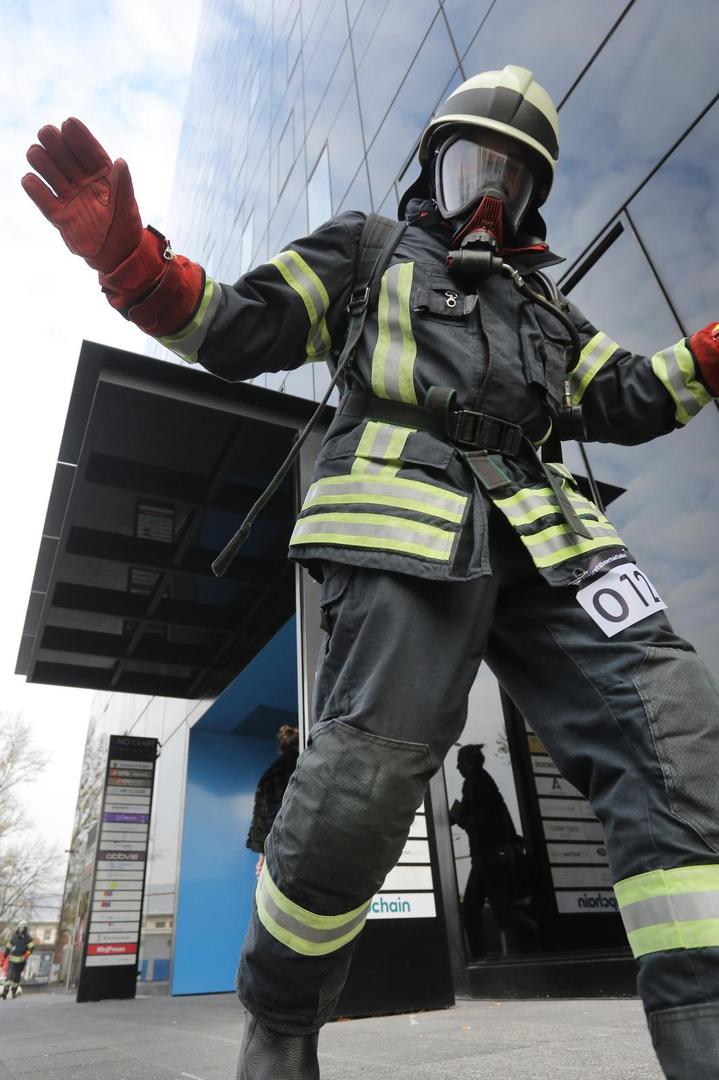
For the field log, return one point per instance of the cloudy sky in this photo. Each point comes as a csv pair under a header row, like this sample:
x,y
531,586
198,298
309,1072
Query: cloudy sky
x,y
123,67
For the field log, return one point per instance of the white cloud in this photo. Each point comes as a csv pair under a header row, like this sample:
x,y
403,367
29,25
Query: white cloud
x,y
122,66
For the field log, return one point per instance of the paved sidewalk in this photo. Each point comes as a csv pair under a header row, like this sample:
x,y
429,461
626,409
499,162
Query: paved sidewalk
x,y
47,1036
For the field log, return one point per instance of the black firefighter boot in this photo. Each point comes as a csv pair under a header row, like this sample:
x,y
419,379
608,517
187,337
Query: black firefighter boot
x,y
270,1055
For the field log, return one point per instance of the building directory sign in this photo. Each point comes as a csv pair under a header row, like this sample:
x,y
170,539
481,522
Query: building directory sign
x,y
408,891
574,838
112,938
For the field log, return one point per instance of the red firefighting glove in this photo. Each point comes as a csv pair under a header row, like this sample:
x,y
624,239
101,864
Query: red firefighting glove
x,y
93,206
705,347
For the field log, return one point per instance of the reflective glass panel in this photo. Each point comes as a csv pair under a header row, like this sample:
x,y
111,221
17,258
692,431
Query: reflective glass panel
x,y
319,198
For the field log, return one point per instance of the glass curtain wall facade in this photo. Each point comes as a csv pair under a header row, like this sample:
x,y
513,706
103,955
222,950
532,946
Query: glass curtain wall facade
x,y
300,109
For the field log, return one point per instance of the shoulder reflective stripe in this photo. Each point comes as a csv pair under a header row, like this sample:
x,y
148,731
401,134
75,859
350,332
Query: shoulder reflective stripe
x,y
308,286
396,350
379,531
388,491
301,930
594,356
187,342
675,369
671,909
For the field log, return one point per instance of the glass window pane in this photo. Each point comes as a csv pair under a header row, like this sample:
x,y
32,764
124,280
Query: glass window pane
x,y
424,86
393,47
346,148
677,215
638,97
464,18
358,197
319,198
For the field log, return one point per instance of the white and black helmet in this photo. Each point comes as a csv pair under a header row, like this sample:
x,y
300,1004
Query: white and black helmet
x,y
508,103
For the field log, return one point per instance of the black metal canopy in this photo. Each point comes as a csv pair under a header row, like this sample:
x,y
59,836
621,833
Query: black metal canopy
x,y
157,467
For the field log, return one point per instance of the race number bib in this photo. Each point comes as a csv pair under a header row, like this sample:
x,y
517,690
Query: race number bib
x,y
621,597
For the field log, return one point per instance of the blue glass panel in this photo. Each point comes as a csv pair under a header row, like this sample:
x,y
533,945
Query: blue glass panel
x,y
346,149
358,197
553,39
641,93
668,514
319,197
366,25
423,87
677,216
464,18
390,53
300,382
324,97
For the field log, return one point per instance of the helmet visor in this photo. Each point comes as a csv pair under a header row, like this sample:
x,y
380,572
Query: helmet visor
x,y
467,169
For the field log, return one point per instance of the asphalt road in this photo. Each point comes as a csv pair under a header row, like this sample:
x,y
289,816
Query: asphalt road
x,y
46,1036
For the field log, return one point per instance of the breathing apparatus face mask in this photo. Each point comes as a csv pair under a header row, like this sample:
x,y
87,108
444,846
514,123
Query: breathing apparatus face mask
x,y
472,166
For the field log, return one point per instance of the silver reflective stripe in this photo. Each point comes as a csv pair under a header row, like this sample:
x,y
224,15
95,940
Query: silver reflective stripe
x,y
558,537
188,341
527,505
380,531
396,350
300,276
675,369
678,907
310,933
390,491
594,356
383,440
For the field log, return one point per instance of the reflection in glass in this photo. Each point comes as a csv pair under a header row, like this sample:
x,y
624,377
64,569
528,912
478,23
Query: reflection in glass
x,y
611,140
677,215
319,198
247,240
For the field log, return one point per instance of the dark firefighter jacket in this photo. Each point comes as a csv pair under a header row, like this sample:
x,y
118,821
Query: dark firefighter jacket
x,y
268,798
387,495
18,945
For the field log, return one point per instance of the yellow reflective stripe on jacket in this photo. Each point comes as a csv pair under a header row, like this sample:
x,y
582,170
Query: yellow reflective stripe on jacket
x,y
300,276
187,342
301,930
383,532
396,350
382,490
383,441
593,356
671,909
675,369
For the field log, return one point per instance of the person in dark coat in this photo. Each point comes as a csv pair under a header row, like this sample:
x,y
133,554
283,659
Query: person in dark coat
x,y
271,788
496,855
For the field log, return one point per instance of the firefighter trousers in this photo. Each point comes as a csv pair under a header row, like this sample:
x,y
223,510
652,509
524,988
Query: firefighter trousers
x,y
631,721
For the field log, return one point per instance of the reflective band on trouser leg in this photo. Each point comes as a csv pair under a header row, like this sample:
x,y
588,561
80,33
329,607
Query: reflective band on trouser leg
x,y
387,491
671,909
593,356
301,930
379,531
300,276
676,370
396,350
187,342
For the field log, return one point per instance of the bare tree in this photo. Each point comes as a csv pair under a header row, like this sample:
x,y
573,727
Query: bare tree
x,y
29,867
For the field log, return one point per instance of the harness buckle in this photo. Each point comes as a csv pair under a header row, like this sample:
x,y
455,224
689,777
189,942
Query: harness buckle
x,y
359,298
480,431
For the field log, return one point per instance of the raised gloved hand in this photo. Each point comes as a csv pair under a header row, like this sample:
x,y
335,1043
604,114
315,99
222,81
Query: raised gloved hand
x,y
92,202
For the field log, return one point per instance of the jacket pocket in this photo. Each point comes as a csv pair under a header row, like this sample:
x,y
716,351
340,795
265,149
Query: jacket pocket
x,y
545,346
436,295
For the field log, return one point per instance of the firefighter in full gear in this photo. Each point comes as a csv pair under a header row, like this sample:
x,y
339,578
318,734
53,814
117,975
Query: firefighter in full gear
x,y
441,537
16,953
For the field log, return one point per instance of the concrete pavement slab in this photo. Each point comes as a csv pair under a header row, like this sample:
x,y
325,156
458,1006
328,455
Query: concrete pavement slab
x,y
50,1037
